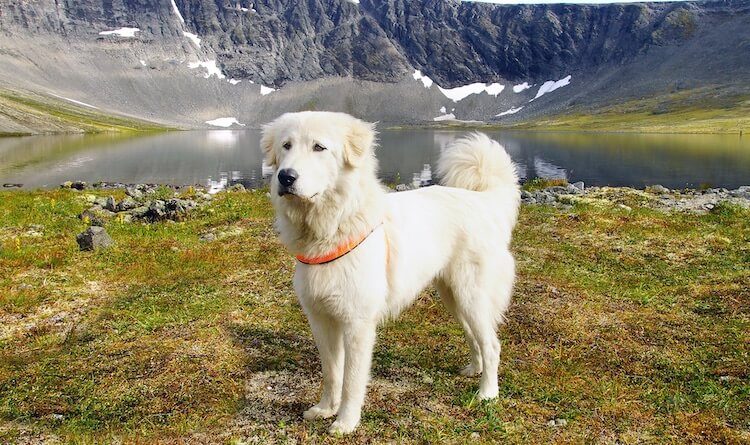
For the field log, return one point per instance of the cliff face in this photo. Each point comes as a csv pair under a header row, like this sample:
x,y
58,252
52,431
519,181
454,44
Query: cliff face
x,y
184,64
454,42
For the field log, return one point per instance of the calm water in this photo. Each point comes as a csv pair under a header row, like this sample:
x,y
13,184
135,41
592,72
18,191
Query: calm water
x,y
218,158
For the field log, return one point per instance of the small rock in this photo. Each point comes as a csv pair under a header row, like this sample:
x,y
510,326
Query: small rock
x,y
101,201
156,210
24,286
724,379
208,237
657,189
474,435
126,204
579,185
237,188
10,185
111,204
427,379
402,187
58,416
624,207
139,212
133,192
66,185
79,185
96,215
554,423
94,238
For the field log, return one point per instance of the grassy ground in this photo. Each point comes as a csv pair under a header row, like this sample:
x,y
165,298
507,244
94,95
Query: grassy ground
x,y
633,327
690,111
29,113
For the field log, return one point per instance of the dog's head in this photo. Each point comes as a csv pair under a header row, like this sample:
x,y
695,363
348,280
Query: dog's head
x,y
310,152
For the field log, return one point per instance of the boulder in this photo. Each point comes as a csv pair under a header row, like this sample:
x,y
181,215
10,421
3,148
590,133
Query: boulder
x,y
94,238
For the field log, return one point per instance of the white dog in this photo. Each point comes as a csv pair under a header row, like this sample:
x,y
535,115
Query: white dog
x,y
364,254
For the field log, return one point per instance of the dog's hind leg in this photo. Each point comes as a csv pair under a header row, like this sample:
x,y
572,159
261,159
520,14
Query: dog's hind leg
x,y
472,290
446,295
329,340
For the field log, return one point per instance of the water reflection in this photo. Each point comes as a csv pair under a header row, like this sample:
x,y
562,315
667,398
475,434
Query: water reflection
x,y
218,159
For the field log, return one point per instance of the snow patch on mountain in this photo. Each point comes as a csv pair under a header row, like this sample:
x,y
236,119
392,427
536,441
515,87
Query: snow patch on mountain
x,y
521,87
458,94
510,111
121,32
212,69
266,90
194,38
225,122
551,85
426,81
177,11
74,101
445,117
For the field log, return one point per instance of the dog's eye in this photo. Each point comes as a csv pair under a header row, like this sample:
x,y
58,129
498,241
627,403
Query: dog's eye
x,y
287,145
318,147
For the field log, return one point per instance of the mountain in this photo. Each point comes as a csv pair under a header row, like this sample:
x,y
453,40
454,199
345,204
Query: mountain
x,y
185,62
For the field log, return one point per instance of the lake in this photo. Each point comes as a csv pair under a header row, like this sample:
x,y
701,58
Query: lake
x,y
222,157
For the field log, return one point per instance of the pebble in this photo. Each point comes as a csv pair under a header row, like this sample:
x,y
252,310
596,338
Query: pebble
x,y
554,423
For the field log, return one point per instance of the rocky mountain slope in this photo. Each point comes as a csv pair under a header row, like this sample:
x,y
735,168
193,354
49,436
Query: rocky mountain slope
x,y
188,62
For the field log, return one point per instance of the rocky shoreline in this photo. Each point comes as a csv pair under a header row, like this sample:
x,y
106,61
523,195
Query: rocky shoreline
x,y
157,202
655,197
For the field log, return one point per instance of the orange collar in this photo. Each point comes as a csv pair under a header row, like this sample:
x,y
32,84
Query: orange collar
x,y
338,252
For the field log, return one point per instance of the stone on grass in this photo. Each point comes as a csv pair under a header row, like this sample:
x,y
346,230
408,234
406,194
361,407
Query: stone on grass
x,y
111,204
94,238
95,215
579,185
133,192
79,185
554,423
126,204
657,189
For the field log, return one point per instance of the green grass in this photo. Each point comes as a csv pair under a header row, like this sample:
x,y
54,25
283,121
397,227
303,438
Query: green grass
x,y
689,111
632,326
44,114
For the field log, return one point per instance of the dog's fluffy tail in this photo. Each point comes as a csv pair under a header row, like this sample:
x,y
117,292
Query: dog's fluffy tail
x,y
476,162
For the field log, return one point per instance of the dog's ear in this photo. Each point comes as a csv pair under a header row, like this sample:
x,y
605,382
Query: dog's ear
x,y
359,142
267,141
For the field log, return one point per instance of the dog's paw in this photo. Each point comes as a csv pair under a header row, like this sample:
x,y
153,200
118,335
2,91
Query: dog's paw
x,y
316,412
341,427
488,394
471,370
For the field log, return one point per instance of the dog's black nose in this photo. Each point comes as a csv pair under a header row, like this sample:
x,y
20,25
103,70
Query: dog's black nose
x,y
287,176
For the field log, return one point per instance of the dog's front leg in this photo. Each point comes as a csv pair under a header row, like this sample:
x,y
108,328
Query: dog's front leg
x,y
359,339
329,339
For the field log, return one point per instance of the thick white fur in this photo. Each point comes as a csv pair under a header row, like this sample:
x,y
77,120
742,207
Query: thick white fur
x,y
455,236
